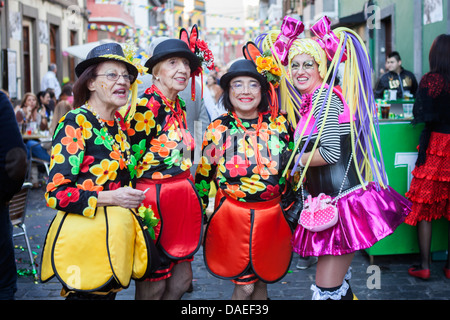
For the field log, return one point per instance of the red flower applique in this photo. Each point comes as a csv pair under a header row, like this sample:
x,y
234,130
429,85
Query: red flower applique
x,y
237,166
67,196
87,160
271,192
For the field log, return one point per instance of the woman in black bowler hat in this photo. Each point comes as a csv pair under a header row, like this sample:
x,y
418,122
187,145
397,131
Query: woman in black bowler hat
x,y
164,148
247,239
95,245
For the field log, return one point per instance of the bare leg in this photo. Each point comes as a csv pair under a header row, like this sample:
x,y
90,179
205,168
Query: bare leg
x,y
179,282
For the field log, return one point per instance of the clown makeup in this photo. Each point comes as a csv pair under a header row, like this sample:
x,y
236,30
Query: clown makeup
x,y
305,74
307,65
109,94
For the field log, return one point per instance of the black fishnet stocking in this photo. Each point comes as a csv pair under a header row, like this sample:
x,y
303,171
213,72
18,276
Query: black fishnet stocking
x,y
424,239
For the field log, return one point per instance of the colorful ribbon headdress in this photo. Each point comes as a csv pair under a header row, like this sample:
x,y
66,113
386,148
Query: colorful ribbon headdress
x,y
266,66
201,50
326,38
357,92
130,50
280,42
290,29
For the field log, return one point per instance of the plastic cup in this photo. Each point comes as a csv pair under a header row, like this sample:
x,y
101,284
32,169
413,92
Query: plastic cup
x,y
407,110
385,111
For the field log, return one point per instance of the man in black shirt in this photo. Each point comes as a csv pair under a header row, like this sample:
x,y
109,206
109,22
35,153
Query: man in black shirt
x,y
396,78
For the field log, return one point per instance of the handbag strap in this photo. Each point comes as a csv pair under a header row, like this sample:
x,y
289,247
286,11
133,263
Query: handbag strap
x,y
342,184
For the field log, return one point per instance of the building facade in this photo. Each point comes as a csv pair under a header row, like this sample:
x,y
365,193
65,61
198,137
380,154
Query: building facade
x,y
33,34
408,27
110,19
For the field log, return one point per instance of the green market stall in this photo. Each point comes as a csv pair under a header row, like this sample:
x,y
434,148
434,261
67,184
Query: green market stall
x,y
399,140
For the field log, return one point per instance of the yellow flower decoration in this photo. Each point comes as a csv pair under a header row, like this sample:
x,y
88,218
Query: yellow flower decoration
x,y
264,63
56,156
174,133
85,125
267,67
279,124
106,170
247,148
145,163
186,164
122,140
51,201
142,102
221,165
90,210
252,185
203,167
144,121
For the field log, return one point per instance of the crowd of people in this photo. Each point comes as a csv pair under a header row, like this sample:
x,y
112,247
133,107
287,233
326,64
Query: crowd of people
x,y
148,165
39,114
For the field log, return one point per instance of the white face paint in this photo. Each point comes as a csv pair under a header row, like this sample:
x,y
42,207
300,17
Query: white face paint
x,y
305,73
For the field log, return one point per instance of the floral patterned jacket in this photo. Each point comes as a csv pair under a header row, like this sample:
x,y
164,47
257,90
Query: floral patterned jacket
x,y
161,143
84,161
229,156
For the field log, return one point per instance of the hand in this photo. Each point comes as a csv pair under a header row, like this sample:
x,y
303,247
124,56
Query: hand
x,y
124,197
43,113
129,198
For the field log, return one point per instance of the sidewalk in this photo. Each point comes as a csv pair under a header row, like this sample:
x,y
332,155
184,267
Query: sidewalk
x,y
387,279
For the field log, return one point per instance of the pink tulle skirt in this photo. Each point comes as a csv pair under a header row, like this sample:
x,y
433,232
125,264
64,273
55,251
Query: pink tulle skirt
x,y
365,217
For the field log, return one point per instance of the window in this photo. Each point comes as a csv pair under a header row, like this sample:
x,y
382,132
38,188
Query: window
x,y
26,38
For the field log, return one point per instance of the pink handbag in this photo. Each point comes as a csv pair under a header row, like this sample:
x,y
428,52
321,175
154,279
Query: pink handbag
x,y
319,213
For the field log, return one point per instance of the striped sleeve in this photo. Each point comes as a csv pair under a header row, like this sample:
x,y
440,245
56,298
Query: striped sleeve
x,y
329,145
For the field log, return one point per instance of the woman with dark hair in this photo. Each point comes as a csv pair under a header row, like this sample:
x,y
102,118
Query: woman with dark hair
x,y
244,151
95,244
31,118
430,187
164,147
44,100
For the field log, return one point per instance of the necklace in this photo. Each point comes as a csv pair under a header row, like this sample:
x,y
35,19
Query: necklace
x,y
253,136
177,115
116,147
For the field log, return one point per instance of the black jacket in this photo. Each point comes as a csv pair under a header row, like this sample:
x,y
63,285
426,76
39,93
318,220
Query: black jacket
x,y
390,81
13,154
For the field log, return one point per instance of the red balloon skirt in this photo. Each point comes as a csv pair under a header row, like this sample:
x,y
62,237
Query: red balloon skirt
x,y
244,237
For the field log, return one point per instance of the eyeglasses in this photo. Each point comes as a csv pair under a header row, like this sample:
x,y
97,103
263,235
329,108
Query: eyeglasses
x,y
114,76
307,65
238,87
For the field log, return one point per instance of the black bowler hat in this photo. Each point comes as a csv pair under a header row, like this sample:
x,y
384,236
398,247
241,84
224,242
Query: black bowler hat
x,y
106,52
172,48
240,68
